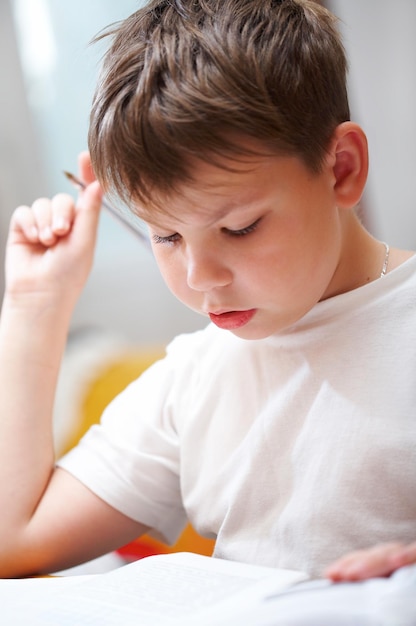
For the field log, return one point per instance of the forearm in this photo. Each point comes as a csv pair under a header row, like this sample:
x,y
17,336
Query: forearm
x,y
49,255
32,340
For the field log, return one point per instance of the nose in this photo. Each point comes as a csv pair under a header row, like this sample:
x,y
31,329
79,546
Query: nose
x,y
207,270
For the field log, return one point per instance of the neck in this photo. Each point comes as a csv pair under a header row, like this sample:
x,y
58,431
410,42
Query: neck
x,y
362,257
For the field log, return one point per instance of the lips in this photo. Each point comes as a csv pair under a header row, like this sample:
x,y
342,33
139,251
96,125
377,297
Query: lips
x,y
231,320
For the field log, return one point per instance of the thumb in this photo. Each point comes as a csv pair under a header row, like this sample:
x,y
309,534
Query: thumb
x,y
91,197
88,212
85,168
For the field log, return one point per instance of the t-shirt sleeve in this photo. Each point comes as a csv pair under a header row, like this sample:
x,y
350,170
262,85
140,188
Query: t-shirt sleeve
x,y
132,458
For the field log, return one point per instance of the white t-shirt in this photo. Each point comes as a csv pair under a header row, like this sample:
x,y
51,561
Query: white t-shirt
x,y
291,450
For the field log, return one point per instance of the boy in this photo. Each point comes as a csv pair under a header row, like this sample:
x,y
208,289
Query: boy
x,y
286,428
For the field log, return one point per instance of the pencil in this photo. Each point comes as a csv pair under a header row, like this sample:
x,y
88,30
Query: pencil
x,y
132,227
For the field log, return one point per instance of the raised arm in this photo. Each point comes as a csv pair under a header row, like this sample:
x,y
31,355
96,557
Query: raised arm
x,y
48,520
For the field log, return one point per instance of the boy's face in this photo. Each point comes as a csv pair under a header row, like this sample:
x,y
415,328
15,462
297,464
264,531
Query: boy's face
x,y
254,248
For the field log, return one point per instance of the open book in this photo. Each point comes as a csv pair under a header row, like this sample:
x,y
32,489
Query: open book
x,y
180,588
193,590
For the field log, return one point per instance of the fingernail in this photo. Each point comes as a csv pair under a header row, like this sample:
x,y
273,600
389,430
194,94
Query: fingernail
x,y
60,224
47,233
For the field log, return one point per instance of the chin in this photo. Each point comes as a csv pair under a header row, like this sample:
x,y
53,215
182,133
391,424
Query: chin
x,y
252,334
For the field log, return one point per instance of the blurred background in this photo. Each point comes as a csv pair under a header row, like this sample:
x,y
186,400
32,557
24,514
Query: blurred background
x,y
47,75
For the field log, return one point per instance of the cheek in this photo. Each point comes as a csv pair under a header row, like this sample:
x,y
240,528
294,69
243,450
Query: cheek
x,y
172,271
166,266
284,264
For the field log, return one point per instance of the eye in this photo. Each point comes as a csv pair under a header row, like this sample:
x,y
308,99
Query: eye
x,y
168,239
242,231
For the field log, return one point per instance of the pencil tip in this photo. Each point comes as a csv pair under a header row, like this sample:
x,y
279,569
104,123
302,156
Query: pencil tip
x,y
74,180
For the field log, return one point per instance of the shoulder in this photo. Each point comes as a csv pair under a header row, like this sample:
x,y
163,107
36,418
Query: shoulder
x,y
397,257
400,280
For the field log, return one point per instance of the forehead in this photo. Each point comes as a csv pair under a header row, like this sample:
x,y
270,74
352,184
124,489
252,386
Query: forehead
x,y
216,189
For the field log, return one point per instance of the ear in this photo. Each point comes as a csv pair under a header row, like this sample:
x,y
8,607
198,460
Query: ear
x,y
349,159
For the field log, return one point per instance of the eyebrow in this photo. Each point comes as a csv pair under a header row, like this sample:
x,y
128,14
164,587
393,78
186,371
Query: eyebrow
x,y
247,201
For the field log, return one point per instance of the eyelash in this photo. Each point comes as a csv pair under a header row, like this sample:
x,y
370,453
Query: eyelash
x,y
170,239
243,231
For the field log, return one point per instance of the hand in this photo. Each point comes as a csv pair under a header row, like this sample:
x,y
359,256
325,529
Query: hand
x,y
50,245
380,560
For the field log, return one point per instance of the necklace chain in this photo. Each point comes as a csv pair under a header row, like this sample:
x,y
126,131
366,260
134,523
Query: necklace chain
x,y
386,259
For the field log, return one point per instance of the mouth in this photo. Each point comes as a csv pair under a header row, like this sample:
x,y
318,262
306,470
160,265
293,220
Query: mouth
x,y
231,320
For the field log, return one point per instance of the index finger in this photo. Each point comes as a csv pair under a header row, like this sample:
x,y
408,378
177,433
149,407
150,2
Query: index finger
x,y
362,564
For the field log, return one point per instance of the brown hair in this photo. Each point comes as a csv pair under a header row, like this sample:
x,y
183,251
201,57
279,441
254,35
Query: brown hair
x,y
186,78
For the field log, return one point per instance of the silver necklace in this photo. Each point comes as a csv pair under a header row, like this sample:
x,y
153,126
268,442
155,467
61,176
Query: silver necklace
x,y
386,259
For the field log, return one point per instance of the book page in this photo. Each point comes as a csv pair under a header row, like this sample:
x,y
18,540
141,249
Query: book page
x,y
191,590
163,589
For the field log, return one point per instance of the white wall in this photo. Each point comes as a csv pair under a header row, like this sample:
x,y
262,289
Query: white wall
x,y
381,45
21,173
